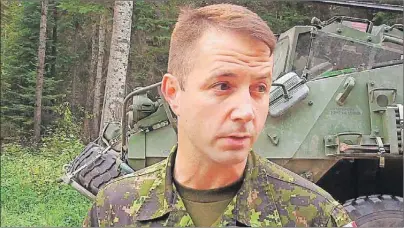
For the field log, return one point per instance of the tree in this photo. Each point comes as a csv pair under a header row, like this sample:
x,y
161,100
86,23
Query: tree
x,y
84,17
90,86
19,69
54,38
75,68
40,72
98,79
118,63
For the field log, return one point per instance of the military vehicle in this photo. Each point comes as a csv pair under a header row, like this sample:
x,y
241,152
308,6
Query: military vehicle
x,y
335,118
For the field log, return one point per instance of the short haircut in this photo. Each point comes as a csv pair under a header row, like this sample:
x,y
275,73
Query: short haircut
x,y
192,23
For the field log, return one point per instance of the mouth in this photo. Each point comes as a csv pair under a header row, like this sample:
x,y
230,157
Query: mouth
x,y
237,142
238,137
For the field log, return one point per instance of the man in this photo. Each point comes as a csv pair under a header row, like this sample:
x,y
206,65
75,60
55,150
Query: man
x,y
218,82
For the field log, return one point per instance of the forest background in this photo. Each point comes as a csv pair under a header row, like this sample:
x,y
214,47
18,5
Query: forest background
x,y
75,59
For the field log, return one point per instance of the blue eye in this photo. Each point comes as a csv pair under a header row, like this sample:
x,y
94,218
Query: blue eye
x,y
262,88
222,86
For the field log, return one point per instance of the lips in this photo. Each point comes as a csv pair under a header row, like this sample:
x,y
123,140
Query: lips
x,y
239,135
238,138
237,142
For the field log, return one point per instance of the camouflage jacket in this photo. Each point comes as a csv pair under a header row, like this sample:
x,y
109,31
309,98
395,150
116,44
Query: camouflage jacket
x,y
269,196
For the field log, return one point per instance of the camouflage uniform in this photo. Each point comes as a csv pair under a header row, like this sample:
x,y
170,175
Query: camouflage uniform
x,y
269,196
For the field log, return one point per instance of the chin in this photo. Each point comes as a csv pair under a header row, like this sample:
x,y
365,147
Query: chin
x,y
230,157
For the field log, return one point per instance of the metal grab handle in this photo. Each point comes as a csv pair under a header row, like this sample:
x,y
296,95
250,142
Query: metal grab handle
x,y
350,133
348,86
124,118
360,135
285,91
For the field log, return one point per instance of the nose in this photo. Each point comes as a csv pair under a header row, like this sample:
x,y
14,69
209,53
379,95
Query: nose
x,y
244,110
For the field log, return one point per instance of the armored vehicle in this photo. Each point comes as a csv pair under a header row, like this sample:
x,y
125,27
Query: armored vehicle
x,y
335,118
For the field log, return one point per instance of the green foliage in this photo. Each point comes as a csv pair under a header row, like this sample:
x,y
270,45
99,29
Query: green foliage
x,y
30,195
19,43
19,64
280,15
80,7
152,26
68,53
386,18
64,130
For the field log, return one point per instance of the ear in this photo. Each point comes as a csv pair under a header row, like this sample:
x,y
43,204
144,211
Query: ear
x,y
170,88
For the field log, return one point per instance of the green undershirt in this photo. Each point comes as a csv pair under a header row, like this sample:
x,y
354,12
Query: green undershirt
x,y
206,206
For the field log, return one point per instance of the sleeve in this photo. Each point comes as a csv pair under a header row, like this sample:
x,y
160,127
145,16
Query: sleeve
x,y
340,218
91,219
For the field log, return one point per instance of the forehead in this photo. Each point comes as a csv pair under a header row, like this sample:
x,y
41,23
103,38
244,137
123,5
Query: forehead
x,y
215,41
227,52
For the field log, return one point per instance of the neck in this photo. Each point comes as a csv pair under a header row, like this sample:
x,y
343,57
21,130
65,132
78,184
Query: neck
x,y
193,170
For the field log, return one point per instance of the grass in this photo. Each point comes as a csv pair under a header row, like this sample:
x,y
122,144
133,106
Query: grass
x,y
30,195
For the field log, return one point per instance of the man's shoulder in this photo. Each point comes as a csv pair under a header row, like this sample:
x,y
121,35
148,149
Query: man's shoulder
x,y
288,179
118,201
300,197
132,185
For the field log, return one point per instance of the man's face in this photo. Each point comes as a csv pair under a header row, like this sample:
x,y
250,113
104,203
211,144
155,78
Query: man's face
x,y
225,102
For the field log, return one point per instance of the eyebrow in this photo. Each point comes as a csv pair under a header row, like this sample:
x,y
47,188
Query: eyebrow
x,y
229,74
222,73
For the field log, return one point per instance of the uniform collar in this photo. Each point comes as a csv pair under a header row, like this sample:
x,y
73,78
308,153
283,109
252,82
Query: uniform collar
x,y
252,206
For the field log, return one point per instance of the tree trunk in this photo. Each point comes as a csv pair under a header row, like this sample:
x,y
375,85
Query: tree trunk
x,y
40,71
74,88
54,39
98,79
118,63
88,136
74,76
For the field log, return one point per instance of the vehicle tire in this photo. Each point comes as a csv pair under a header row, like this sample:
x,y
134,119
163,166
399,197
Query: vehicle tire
x,y
376,211
97,173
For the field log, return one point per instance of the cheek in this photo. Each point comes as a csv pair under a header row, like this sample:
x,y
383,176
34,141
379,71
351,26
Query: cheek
x,y
192,108
201,113
261,115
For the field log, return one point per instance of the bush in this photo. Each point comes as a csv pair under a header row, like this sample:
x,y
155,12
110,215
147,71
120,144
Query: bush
x,y
30,195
